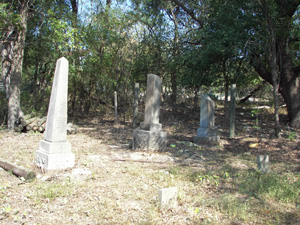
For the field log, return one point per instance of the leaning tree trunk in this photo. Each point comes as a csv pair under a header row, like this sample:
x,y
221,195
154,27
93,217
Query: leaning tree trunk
x,y
289,85
290,90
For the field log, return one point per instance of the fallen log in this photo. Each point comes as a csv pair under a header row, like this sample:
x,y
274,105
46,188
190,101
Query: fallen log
x,y
41,129
29,121
28,127
35,128
17,170
41,121
26,117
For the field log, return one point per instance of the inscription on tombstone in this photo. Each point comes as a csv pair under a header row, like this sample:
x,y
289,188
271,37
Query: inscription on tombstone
x,y
150,135
207,132
54,151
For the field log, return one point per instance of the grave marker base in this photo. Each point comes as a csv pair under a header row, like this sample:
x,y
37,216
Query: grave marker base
x,y
54,156
149,140
211,141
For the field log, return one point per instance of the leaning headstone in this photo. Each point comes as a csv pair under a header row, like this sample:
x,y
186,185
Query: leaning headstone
x,y
207,132
168,197
150,135
54,151
263,163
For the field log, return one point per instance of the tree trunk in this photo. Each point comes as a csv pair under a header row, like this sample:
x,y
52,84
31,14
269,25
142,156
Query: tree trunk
x,y
226,87
6,53
273,61
290,91
289,83
14,108
196,91
175,55
75,58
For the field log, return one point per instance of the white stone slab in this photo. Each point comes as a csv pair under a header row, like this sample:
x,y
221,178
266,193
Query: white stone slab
x,y
168,197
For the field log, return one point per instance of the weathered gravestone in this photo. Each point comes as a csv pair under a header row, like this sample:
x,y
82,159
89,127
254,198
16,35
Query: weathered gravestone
x,y
168,197
136,105
263,163
54,151
150,135
207,132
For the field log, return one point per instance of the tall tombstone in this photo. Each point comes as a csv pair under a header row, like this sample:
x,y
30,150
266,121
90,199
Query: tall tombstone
x,y
54,151
207,132
150,135
136,105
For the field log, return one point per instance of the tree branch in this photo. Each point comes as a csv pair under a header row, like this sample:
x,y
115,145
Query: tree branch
x,y
260,69
189,12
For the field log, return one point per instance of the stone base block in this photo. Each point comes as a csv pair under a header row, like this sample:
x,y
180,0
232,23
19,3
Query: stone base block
x,y
55,147
207,132
149,140
213,140
54,156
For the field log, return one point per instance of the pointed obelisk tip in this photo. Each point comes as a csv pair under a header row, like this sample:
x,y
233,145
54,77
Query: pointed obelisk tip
x,y
62,59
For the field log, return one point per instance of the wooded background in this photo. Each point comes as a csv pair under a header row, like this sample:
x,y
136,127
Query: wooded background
x,y
193,45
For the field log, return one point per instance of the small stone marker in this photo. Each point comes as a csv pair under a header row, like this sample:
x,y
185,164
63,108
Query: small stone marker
x,y
168,197
150,136
54,151
207,132
263,163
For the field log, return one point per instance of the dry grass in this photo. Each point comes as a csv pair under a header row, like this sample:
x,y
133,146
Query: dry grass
x,y
122,186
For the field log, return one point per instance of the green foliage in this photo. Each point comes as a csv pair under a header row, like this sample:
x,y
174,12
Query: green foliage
x,y
282,188
234,207
8,18
52,191
110,47
292,135
205,178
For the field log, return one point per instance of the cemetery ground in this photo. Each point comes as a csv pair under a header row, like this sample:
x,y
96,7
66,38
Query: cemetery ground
x,y
111,184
